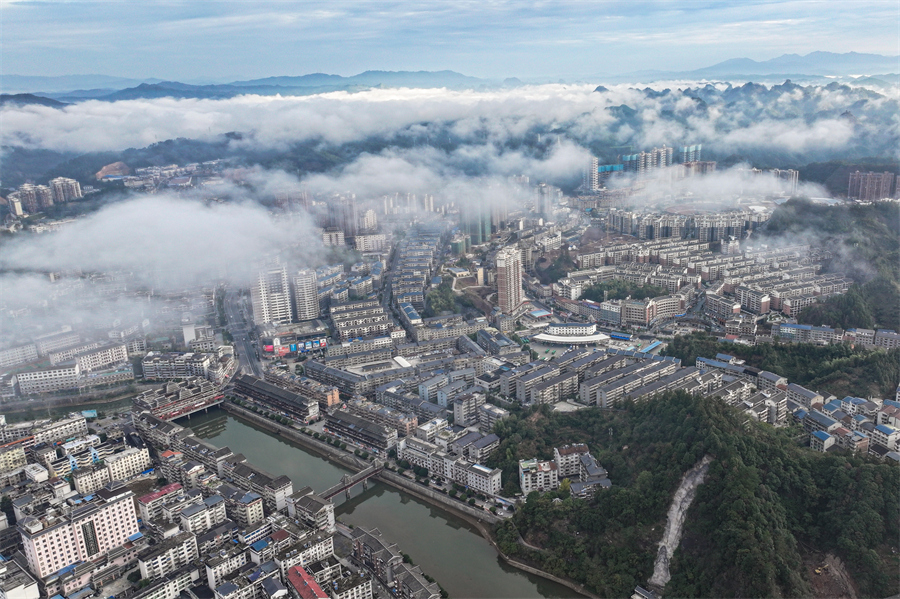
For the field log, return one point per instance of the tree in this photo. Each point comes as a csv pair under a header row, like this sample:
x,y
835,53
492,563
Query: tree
x,y
619,289
6,505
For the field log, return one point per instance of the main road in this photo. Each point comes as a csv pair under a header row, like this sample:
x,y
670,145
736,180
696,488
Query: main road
x,y
240,329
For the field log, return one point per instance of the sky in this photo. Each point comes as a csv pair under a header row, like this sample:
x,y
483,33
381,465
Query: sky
x,y
224,41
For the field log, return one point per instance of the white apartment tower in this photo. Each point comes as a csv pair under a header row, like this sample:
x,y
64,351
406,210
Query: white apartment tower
x,y
65,190
271,296
306,297
592,176
509,279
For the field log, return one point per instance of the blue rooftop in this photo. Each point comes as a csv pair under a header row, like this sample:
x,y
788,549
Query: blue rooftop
x,y
821,435
887,430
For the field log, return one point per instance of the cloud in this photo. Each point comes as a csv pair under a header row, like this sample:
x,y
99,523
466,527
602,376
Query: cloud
x,y
143,247
789,119
725,187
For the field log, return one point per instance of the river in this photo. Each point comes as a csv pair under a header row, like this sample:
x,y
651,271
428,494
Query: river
x,y
445,546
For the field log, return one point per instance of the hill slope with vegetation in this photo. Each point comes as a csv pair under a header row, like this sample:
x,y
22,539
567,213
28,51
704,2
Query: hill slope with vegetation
x,y
838,369
865,241
766,501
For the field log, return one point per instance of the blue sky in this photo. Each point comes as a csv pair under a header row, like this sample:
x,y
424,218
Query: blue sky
x,y
485,38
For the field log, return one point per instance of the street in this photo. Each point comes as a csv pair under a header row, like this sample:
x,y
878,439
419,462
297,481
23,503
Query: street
x,y
237,325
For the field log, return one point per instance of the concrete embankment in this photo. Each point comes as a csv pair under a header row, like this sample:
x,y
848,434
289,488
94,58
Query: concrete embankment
x,y
349,460
481,520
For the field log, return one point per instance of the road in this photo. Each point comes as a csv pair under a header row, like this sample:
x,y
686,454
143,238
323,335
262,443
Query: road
x,y
240,329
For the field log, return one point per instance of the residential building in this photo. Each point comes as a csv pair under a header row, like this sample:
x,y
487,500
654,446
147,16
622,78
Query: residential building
x,y
127,463
200,517
568,459
869,187
536,475
90,478
270,296
47,380
465,408
276,397
886,436
168,556
16,582
509,280
428,430
359,431
305,292
244,507
303,586
274,489
150,505
65,190
18,355
489,415
312,509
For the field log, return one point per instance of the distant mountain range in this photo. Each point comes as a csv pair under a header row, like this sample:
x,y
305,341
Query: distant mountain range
x,y
814,63
77,88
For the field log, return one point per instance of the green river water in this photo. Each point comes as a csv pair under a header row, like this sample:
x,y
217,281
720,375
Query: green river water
x,y
445,546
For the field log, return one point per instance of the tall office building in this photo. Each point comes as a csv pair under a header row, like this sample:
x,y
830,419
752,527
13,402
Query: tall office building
x,y
65,190
509,279
306,298
271,296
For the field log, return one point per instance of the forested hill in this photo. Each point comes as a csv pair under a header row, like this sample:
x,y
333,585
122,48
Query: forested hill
x,y
837,369
866,243
766,516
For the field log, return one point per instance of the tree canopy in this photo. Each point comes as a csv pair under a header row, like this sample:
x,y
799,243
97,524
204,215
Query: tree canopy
x,y
838,368
766,504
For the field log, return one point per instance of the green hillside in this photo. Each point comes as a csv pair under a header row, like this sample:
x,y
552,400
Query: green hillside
x,y
865,241
766,506
837,369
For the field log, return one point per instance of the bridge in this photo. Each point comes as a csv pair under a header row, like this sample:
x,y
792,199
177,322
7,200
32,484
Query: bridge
x,y
349,481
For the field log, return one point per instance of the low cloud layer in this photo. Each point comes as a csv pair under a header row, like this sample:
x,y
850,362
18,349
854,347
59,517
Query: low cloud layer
x,y
168,242
789,119
115,262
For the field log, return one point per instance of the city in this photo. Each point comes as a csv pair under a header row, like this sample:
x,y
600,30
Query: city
x,y
420,335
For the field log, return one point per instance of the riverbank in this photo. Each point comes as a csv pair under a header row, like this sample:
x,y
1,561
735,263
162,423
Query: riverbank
x,y
480,520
